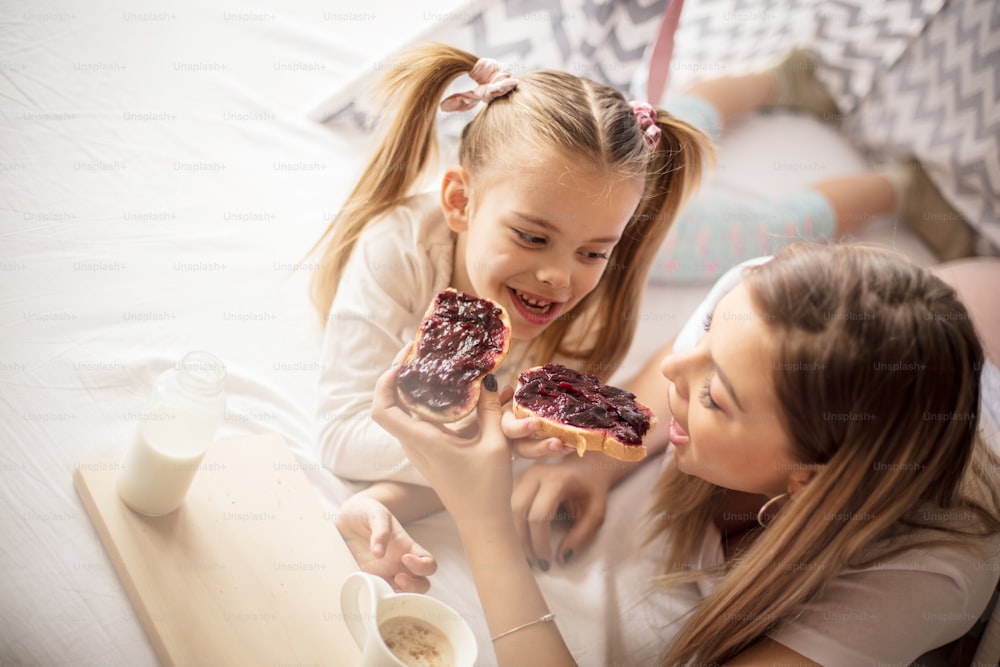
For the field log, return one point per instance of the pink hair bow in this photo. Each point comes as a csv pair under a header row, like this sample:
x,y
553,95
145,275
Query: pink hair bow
x,y
493,82
645,115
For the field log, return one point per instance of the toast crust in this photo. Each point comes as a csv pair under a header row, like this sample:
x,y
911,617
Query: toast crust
x,y
456,412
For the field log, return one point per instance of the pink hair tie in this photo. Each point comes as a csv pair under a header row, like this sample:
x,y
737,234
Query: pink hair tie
x,y
493,83
645,115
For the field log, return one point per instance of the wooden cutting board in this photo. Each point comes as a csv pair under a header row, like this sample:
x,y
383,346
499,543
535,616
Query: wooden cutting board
x,y
247,572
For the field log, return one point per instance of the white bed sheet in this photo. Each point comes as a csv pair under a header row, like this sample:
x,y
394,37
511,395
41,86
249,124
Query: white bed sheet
x,y
160,182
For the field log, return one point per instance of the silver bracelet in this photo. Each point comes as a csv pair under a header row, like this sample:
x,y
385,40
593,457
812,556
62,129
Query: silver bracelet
x,y
541,619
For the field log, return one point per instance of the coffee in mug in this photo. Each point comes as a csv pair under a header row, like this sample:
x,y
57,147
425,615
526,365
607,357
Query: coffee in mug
x,y
417,643
403,629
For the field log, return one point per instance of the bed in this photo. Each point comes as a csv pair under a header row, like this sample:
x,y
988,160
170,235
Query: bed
x,y
165,169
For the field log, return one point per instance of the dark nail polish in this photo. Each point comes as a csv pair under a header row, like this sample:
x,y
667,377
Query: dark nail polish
x,y
567,555
490,382
543,565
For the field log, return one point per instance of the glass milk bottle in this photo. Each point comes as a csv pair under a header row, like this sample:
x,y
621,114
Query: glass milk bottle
x,y
183,412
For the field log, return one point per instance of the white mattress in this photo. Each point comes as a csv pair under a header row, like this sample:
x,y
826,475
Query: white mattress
x,y
160,182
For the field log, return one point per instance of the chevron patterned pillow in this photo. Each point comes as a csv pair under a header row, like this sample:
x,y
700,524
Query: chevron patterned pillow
x,y
604,41
940,102
910,77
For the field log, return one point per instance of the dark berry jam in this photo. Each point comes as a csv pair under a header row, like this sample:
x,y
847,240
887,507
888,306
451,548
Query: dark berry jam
x,y
579,399
457,344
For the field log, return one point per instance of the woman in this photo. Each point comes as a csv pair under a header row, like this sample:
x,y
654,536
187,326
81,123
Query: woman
x,y
827,490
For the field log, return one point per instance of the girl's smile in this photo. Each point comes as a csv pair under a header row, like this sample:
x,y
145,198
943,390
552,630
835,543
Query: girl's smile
x,y
534,309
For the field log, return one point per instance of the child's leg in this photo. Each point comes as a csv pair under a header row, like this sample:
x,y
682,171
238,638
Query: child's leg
x,y
729,98
790,84
856,199
718,230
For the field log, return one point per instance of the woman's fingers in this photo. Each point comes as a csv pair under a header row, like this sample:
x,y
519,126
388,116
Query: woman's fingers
x,y
586,522
535,502
408,428
544,510
384,397
402,354
517,428
387,413
549,448
525,434
489,410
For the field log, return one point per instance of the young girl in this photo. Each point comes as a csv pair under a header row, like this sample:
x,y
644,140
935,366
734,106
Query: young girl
x,y
562,193
827,488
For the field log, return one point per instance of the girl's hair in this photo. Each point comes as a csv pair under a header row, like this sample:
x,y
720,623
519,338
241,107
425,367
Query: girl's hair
x,y
877,375
552,112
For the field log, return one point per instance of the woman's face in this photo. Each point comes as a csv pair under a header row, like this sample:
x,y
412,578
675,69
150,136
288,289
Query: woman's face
x,y
725,427
537,239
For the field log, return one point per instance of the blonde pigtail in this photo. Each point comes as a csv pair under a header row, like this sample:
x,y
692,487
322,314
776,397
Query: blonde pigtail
x,y
410,93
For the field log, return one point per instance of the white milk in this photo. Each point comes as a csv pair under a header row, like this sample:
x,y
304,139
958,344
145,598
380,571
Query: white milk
x,y
160,465
185,409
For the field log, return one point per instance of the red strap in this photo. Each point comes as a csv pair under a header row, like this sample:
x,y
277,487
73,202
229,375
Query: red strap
x,y
663,49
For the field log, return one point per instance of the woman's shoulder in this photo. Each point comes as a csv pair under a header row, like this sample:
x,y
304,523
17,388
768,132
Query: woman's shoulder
x,y
923,593
960,556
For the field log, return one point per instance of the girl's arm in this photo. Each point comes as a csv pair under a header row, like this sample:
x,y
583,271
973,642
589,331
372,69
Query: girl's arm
x,y
381,546
406,502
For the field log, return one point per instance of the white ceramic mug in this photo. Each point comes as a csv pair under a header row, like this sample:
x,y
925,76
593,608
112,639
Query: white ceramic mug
x,y
435,620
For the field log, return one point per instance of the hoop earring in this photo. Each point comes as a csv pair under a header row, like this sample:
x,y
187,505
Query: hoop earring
x,y
761,512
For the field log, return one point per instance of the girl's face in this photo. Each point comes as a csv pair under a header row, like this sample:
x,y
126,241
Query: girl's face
x,y
725,426
536,239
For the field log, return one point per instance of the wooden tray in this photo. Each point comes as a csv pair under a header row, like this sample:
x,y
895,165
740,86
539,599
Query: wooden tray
x,y
247,572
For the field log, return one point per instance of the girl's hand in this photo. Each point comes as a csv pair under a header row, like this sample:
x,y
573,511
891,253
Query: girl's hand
x,y
382,547
470,471
574,490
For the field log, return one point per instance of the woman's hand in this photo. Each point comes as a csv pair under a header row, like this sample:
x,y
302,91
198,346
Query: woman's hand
x,y
469,470
382,547
522,434
574,490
